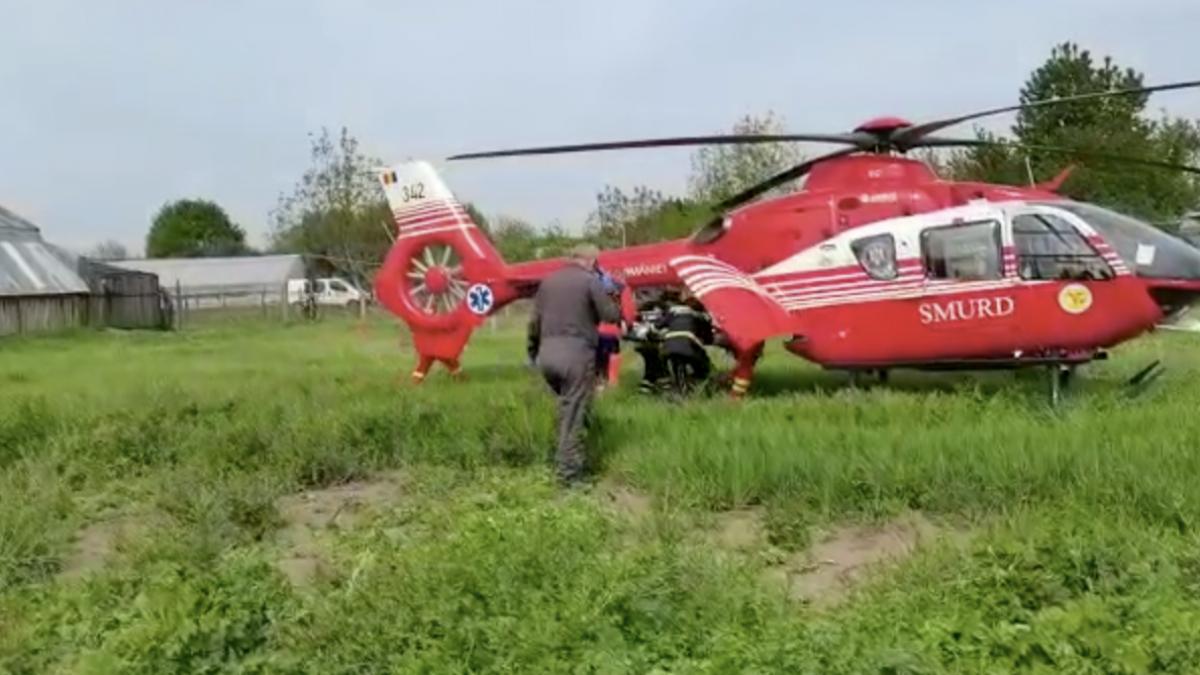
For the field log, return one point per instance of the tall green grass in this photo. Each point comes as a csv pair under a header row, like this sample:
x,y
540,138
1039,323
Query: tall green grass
x,y
1082,553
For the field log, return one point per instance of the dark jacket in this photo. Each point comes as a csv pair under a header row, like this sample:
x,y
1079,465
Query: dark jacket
x,y
570,303
681,323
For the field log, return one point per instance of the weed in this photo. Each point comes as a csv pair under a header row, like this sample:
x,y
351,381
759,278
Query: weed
x,y
1084,558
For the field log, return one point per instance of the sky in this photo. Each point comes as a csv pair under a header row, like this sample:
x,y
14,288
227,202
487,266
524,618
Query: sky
x,y
110,109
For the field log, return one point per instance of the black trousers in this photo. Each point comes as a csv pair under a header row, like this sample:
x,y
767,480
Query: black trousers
x,y
685,353
654,368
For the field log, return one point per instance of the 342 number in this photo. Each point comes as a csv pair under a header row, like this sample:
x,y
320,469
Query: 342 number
x,y
412,191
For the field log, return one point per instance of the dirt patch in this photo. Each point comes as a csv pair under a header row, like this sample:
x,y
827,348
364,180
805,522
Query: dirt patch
x,y
99,542
624,500
309,516
824,574
338,505
740,529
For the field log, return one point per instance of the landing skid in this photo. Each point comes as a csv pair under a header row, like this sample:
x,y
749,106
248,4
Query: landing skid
x,y
1060,369
1145,377
972,364
1061,375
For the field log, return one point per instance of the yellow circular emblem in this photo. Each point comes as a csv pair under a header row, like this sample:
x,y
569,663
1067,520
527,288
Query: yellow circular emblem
x,y
1075,298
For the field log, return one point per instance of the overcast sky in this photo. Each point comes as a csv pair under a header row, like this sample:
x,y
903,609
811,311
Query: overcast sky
x,y
109,109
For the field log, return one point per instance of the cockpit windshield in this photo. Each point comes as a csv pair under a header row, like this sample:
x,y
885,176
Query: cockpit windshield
x,y
1144,248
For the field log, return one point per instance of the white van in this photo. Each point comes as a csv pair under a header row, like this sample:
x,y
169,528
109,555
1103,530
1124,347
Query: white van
x,y
327,291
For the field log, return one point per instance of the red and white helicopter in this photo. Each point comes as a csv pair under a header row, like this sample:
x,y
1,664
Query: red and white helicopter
x,y
875,264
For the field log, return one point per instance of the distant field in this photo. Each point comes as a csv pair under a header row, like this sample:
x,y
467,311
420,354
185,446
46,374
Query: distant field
x,y
252,496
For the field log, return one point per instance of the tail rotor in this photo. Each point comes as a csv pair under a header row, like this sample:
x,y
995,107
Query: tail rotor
x,y
442,276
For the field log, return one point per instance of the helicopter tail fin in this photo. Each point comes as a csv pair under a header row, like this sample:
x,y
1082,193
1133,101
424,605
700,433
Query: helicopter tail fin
x,y
1055,183
442,275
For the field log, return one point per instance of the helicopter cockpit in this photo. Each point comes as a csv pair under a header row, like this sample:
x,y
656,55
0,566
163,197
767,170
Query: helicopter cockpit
x,y
1049,247
1145,249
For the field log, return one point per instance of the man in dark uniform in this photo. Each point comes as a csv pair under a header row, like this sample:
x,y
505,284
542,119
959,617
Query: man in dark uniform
x,y
568,307
687,330
647,339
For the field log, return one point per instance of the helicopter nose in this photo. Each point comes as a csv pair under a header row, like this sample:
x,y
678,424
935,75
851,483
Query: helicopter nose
x,y
1174,260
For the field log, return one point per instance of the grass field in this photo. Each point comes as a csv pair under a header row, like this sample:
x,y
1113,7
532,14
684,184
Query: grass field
x,y
254,497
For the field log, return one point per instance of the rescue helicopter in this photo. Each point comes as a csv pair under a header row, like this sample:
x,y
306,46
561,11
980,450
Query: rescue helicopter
x,y
875,264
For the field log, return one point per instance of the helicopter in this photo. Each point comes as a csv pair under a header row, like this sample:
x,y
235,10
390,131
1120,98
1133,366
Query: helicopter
x,y
875,264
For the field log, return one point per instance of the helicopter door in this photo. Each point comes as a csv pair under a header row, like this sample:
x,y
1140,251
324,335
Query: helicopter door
x,y
1061,276
965,289
1050,248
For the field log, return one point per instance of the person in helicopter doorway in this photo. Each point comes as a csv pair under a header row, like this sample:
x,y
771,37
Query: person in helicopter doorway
x,y
647,337
687,330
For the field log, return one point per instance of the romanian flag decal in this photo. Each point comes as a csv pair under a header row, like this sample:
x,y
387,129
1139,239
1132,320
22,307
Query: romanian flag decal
x,y
389,177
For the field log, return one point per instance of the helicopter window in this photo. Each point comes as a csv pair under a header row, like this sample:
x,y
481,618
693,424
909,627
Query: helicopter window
x,y
877,255
1169,258
965,252
1049,247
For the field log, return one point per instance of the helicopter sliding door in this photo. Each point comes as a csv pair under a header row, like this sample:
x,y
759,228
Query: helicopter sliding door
x,y
968,305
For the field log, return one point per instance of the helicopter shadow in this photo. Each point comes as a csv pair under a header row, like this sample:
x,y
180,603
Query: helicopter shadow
x,y
783,382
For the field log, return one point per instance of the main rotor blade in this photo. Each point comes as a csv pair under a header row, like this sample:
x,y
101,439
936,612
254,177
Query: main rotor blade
x,y
719,139
1081,154
778,179
908,137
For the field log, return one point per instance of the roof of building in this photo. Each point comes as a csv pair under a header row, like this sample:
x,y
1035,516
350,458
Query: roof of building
x,y
11,221
221,275
30,266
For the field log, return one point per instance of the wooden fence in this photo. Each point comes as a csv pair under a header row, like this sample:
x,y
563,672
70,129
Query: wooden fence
x,y
129,301
27,314
42,313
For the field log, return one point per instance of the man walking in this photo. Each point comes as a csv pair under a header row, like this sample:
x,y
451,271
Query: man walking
x,y
568,307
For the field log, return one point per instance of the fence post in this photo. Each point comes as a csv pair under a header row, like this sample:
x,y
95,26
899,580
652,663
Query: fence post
x,y
284,300
178,305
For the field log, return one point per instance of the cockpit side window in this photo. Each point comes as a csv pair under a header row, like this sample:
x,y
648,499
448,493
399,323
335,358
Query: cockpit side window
x,y
1049,247
877,255
966,252
1145,249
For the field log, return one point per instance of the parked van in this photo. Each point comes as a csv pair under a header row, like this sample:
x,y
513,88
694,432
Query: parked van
x,y
327,291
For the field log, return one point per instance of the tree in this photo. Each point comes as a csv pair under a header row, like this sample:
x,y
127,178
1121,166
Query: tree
x,y
337,211
108,250
555,242
478,217
1114,125
721,171
641,217
517,240
620,217
192,228
645,215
